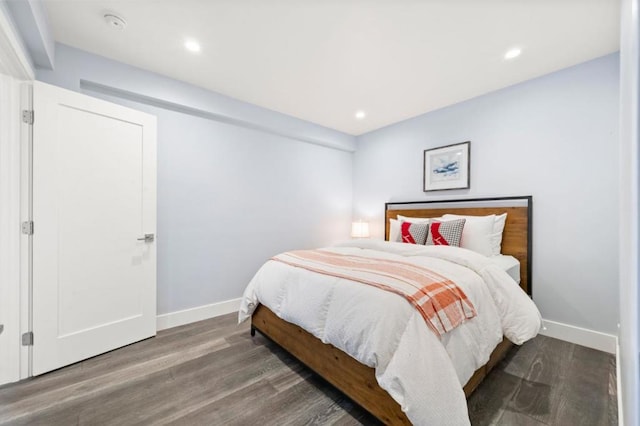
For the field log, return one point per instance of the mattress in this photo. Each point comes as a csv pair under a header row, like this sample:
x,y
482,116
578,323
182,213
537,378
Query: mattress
x,y
509,264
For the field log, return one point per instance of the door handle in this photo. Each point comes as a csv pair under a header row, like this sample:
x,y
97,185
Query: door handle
x,y
148,238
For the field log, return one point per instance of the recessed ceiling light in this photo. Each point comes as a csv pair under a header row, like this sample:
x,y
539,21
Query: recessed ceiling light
x,y
360,114
192,46
115,21
513,53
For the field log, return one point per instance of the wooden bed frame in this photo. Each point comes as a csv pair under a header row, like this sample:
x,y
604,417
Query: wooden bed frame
x,y
357,380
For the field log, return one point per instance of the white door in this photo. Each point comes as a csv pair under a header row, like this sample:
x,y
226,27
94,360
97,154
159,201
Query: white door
x,y
94,199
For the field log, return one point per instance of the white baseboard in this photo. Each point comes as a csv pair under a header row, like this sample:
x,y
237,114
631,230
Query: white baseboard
x,y
580,336
199,313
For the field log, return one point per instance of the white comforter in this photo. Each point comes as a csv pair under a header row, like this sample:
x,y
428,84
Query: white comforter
x,y
422,372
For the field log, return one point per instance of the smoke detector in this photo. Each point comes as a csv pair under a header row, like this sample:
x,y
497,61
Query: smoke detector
x,y
114,21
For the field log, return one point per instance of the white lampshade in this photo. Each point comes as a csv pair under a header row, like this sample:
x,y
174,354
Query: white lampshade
x,y
360,229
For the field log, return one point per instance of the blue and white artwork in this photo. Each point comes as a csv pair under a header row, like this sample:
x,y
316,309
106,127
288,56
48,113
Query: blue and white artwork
x,y
447,167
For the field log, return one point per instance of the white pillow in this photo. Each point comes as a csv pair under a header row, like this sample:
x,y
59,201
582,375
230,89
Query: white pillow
x,y
394,230
415,219
498,228
477,234
495,237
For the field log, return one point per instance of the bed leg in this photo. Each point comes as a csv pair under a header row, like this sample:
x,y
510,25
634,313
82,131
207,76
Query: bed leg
x,y
253,331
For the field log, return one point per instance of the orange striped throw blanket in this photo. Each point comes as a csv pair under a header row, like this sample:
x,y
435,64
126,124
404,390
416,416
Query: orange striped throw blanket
x,y
442,304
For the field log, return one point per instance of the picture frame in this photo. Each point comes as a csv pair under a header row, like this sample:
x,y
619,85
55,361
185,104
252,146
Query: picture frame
x,y
447,167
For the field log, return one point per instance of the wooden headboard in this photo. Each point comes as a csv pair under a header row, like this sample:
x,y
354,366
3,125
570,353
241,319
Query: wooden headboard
x,y
516,238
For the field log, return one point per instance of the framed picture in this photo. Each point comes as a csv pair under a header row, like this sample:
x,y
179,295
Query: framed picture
x,y
447,167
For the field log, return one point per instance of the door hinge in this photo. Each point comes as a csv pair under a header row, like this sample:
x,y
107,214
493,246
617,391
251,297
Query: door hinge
x,y
27,116
27,227
27,339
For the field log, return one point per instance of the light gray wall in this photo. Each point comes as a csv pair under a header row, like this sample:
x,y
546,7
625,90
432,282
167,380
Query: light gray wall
x,y
13,24
229,197
556,138
30,16
629,337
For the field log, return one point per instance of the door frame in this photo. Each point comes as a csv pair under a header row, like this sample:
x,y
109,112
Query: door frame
x,y
14,63
26,241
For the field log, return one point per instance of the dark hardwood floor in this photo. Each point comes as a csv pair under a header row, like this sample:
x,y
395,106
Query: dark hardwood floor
x,y
213,373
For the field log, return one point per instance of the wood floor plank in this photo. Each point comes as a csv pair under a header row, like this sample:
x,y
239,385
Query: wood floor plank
x,y
228,410
165,343
581,392
533,399
486,404
548,361
85,388
613,390
542,360
512,418
214,372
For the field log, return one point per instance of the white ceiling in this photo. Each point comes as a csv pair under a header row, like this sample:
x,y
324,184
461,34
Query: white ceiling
x,y
321,60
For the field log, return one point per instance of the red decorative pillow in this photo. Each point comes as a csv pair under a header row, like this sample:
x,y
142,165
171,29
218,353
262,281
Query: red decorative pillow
x,y
446,233
413,233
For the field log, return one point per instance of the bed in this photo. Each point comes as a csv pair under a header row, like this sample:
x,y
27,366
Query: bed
x,y
343,365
